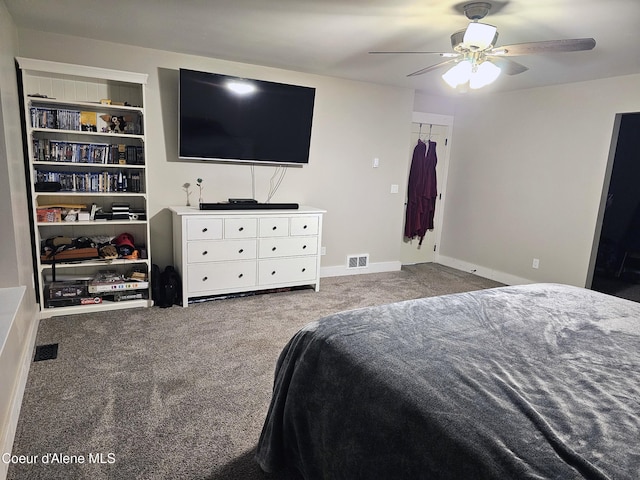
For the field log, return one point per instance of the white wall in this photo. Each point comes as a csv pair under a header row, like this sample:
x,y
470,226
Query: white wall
x,y
435,104
353,123
15,222
17,327
526,176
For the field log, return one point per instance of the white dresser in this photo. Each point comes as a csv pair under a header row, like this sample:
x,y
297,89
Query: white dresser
x,y
229,251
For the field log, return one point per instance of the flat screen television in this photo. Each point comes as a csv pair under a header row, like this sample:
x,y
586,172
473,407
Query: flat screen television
x,y
226,118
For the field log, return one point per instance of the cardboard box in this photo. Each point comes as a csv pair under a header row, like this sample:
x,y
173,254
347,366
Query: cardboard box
x,y
67,289
49,215
69,302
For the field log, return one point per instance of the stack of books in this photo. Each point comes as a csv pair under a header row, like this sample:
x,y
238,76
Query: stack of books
x,y
65,294
119,211
110,282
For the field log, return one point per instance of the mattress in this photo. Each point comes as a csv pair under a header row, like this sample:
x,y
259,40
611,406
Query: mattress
x,y
536,381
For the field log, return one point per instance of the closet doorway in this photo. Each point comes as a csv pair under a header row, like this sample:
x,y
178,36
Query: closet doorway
x,y
615,260
438,128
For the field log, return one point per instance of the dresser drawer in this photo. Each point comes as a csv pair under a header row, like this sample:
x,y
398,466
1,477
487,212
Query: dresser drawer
x,y
240,227
287,247
274,227
204,228
287,270
215,250
209,277
304,226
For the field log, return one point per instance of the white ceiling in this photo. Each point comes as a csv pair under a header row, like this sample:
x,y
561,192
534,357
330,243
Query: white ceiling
x,y
333,37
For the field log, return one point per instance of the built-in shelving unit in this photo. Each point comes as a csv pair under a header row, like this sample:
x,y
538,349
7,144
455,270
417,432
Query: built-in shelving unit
x,y
84,134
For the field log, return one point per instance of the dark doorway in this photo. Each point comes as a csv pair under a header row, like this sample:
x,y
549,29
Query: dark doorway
x,y
617,266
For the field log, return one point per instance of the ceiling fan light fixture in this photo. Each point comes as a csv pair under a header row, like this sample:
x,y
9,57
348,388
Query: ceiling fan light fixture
x,y
459,74
483,75
480,36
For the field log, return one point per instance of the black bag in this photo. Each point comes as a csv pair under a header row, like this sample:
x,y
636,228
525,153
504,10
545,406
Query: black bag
x,y
166,287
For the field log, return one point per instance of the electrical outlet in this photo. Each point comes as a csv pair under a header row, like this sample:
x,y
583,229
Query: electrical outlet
x,y
394,188
376,162
536,263
323,250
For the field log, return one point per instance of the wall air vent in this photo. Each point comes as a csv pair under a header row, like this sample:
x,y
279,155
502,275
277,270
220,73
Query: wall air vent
x,y
358,261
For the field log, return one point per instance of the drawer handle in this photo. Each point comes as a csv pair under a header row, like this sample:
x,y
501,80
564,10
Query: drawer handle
x,y
241,229
241,250
304,246
241,275
304,269
273,249
204,279
204,229
274,228
273,273
205,252
304,228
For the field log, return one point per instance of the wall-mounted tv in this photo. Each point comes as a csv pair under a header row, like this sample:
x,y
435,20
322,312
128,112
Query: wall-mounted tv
x,y
226,118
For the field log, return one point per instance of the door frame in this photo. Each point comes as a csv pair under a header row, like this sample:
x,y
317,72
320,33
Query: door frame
x,y
442,120
613,150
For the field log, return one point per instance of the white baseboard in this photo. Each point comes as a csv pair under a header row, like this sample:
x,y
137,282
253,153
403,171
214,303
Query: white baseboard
x,y
342,270
380,267
481,271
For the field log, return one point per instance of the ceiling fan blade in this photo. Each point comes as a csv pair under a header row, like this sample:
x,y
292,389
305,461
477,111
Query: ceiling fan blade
x,y
431,68
548,46
507,65
418,53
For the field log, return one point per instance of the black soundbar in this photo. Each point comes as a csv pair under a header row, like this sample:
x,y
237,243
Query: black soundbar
x,y
248,206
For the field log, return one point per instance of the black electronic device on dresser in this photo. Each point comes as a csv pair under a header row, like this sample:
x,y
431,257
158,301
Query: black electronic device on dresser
x,y
248,206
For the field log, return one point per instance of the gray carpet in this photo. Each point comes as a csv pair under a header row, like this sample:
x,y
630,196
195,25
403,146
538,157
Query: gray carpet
x,y
181,393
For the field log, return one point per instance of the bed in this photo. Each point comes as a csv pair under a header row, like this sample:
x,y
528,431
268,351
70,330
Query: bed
x,y
534,381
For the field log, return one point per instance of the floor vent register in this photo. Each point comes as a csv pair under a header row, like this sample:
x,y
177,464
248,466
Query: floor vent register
x,y
46,352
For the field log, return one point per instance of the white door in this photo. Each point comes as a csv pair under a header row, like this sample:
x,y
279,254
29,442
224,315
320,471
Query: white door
x,y
411,252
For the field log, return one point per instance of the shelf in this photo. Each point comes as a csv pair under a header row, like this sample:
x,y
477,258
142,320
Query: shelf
x,y
115,262
87,164
53,102
39,67
105,305
87,134
89,194
92,223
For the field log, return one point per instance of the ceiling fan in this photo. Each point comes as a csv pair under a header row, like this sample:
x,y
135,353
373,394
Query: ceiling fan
x,y
477,61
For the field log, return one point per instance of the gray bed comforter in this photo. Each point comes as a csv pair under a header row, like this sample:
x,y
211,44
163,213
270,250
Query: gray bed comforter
x,y
527,382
